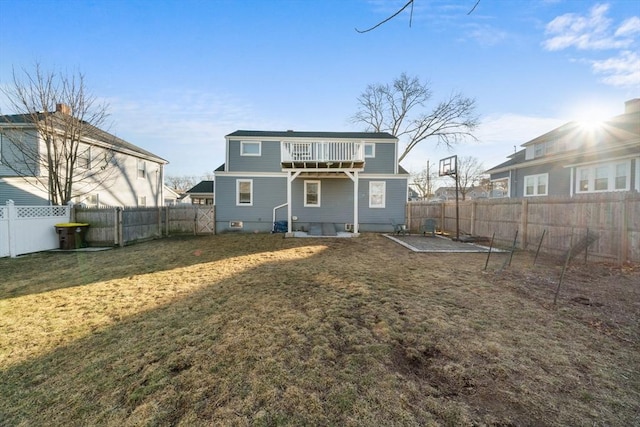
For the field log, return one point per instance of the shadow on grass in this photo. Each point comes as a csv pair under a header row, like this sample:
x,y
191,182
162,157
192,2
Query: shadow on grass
x,y
47,271
283,342
333,336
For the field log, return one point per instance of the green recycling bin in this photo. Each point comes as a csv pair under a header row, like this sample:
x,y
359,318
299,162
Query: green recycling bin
x,y
72,235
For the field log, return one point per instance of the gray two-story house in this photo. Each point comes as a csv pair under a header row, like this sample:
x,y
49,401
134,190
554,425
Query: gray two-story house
x,y
318,182
576,158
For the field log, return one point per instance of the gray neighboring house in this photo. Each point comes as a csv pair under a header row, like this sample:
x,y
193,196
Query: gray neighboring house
x,y
131,176
345,181
576,158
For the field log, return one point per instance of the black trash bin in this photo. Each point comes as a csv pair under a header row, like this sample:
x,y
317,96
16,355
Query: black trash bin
x,y
72,235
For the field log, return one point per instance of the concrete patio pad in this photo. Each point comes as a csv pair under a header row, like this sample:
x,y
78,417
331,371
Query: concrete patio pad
x,y
437,244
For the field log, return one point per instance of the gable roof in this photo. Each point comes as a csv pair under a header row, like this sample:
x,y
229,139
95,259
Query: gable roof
x,y
116,143
616,137
298,134
201,187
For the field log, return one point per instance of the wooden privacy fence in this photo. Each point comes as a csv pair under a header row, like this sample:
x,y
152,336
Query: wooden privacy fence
x,y
614,217
120,226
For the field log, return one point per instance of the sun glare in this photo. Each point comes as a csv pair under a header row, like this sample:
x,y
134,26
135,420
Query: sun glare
x,y
591,116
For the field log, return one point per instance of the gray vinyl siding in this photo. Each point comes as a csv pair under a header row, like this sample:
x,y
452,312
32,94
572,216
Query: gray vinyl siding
x,y
336,201
268,192
20,196
11,155
384,160
559,182
336,204
268,161
379,219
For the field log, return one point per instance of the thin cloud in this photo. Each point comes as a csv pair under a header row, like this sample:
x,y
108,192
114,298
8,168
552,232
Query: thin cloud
x,y
592,32
621,71
597,32
629,27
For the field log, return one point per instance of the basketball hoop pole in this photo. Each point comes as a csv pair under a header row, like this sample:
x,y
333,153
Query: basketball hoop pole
x,y
457,204
449,167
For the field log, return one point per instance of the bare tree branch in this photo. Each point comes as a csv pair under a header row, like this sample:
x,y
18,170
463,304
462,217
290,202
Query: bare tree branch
x,y
473,8
65,152
410,2
470,173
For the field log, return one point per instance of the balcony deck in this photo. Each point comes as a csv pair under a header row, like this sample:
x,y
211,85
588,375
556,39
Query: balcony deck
x,y
322,156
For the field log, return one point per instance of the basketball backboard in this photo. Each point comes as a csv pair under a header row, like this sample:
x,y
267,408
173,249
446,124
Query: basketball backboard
x,y
448,166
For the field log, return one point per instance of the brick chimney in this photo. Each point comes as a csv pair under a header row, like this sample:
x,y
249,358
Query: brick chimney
x,y
63,108
632,106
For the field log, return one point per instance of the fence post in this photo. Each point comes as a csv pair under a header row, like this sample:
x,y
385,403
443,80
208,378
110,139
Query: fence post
x,y
119,231
524,223
473,218
12,228
624,227
72,211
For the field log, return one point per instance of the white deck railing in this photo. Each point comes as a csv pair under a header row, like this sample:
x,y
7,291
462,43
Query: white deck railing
x,y
322,151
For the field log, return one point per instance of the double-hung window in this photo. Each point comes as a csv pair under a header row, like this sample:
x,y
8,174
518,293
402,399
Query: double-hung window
x,y
244,192
536,185
377,194
142,169
84,157
312,193
614,176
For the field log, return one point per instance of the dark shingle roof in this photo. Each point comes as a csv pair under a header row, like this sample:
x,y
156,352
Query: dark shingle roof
x,y
514,159
94,132
297,134
201,187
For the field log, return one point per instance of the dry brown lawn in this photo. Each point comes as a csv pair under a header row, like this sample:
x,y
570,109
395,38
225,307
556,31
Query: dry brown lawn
x,y
259,330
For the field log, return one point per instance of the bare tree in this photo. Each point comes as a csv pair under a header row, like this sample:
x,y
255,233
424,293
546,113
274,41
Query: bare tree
x,y
424,181
470,174
398,108
52,135
180,183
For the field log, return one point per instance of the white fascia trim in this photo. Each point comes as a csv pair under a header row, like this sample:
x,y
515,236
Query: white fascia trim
x,y
382,176
602,160
253,174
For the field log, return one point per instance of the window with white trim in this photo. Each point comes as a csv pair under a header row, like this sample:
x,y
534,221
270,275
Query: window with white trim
x,y
613,176
377,194
369,149
536,185
244,192
250,148
142,169
142,201
312,193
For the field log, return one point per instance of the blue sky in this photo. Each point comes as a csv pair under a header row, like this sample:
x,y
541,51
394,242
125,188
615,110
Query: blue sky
x,y
179,75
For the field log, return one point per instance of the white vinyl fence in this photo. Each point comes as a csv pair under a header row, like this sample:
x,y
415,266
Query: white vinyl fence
x,y
26,229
